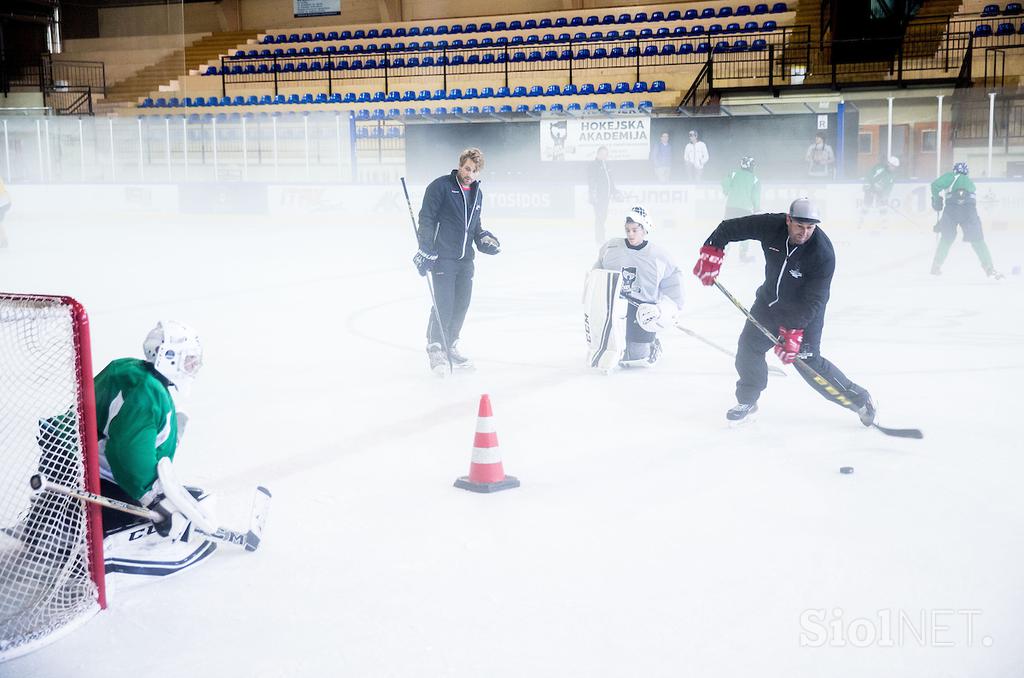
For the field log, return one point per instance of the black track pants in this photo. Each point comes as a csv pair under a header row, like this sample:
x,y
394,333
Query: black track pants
x,y
453,289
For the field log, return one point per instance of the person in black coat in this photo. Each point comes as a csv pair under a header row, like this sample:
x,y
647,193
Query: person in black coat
x,y
449,226
799,264
600,191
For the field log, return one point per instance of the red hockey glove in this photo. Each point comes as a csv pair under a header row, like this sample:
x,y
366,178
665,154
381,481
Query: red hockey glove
x,y
790,346
709,264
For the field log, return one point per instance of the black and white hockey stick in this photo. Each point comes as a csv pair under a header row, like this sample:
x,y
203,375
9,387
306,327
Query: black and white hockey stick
x,y
721,349
812,374
430,284
250,540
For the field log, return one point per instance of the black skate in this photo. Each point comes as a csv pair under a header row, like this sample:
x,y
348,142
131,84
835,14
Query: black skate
x,y
438,360
867,411
459,361
742,413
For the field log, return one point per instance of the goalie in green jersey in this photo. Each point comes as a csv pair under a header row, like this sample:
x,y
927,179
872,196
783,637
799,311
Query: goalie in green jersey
x,y
140,429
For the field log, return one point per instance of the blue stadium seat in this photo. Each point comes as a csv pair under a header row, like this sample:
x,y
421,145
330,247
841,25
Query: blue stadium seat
x,y
714,29
743,10
545,23
779,7
293,99
427,30
408,112
335,98
425,112
472,110
530,25
519,91
586,89
472,42
534,56
639,87
400,32
769,25
428,62
621,88
280,99
413,31
608,106
487,110
266,100
505,109
657,86
646,33
604,88
553,91
519,56
424,95
675,15
661,32
557,108
408,95
627,106
550,55
645,104
592,20
1013,9
739,46
668,49
346,35
321,98
611,35
724,11
561,22
394,113
237,101
573,107
569,90
1004,29
600,53
387,33
758,45
539,108
690,15
373,33
294,37
990,10
616,53
641,17
362,114
582,53
458,60
732,28
378,114
522,108
592,106
471,28
651,50
306,37
722,46
455,29
750,27
707,13
147,103
535,91
412,62
632,51
515,25
488,58
349,98
576,21
628,34
982,31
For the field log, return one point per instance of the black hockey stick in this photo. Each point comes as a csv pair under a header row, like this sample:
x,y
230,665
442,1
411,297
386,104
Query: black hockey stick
x,y
721,349
813,375
430,284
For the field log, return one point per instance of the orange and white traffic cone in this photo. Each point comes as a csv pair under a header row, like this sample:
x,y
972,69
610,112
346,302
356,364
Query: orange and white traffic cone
x,y
486,473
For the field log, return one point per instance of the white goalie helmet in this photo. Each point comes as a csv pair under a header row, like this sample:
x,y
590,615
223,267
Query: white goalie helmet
x,y
639,215
175,352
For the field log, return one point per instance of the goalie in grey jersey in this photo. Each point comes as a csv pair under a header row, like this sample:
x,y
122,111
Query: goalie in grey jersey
x,y
635,281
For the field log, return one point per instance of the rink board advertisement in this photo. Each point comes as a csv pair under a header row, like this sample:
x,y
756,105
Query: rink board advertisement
x,y
577,140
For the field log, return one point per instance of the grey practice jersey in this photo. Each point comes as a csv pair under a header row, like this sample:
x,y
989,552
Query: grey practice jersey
x,y
648,273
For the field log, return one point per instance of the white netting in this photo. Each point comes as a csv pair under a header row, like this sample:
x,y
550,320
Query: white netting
x,y
45,584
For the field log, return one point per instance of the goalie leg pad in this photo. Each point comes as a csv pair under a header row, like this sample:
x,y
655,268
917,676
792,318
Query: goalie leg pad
x,y
604,318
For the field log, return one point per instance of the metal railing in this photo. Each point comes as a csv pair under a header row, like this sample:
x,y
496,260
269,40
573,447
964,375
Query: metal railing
x,y
68,100
92,74
569,58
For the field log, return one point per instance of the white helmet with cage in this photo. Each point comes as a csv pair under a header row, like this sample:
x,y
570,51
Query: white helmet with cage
x,y
639,215
175,352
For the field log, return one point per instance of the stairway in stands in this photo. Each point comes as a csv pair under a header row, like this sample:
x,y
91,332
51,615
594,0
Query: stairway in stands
x,y
123,96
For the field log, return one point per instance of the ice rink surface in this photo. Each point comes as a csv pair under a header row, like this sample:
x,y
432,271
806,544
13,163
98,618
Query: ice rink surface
x,y
648,539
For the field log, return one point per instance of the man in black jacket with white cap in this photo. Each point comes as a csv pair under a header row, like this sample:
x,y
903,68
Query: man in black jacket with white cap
x,y
799,263
449,226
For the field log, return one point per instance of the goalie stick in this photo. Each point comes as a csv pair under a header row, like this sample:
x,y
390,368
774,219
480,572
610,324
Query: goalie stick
x,y
721,349
813,375
250,540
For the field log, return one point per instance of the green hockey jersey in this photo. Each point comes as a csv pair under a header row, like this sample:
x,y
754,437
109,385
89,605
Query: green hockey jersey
x,y
880,179
137,424
953,182
742,190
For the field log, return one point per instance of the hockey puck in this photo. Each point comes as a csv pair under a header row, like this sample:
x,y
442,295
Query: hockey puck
x,y
846,469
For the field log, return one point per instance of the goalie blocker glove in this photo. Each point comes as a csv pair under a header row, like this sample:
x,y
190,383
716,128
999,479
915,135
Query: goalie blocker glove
x,y
709,264
655,317
937,203
424,261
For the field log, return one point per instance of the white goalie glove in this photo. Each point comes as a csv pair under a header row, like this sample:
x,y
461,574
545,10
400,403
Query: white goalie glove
x,y
177,506
656,317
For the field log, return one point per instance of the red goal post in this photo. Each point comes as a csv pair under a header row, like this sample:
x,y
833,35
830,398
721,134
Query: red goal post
x,y
51,546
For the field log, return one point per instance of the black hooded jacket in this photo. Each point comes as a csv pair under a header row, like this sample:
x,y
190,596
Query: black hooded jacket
x,y
450,218
798,278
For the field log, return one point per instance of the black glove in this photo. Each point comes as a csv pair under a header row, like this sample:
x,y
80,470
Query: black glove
x,y
424,262
937,203
487,243
171,523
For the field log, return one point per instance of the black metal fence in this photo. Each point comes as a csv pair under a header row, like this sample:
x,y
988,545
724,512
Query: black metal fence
x,y
503,62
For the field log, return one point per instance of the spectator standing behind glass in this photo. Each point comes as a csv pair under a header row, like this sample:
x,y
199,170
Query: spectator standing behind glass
x,y
601,191
661,158
820,158
695,157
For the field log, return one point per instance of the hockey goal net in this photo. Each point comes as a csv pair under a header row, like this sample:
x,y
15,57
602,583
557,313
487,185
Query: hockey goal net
x,y
51,548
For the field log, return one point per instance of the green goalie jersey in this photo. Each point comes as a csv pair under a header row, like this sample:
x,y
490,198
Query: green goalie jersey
x,y
742,191
137,424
